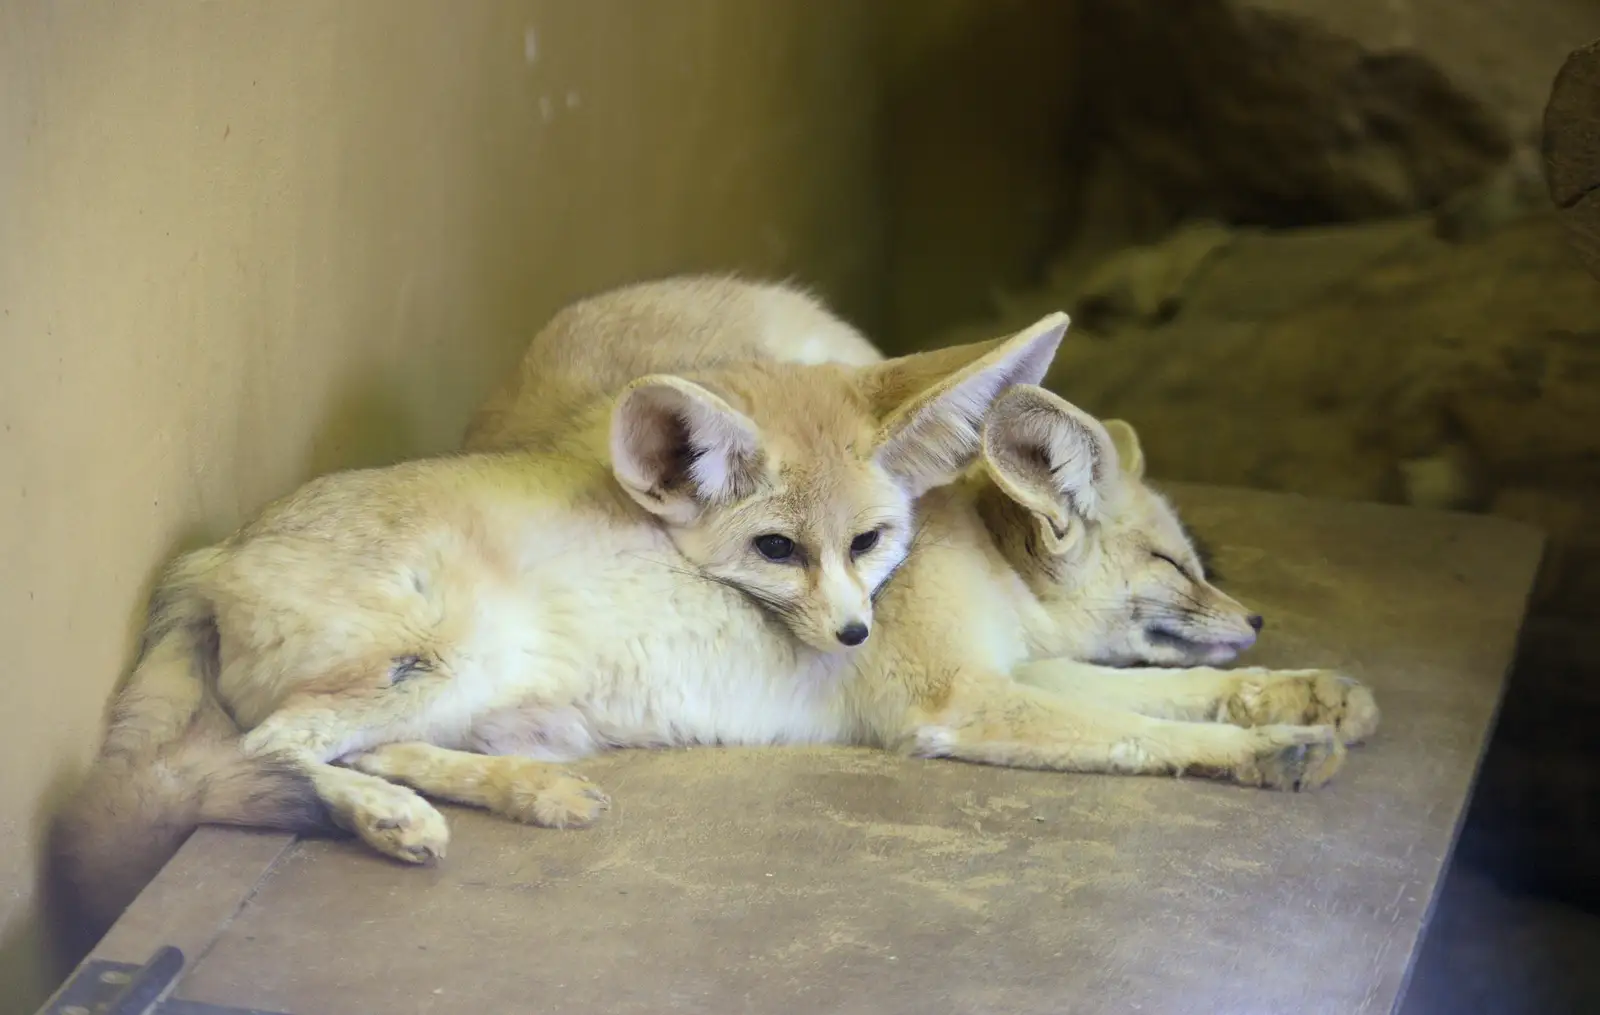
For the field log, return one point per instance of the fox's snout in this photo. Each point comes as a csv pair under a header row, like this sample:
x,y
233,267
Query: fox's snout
x,y
1227,628
1241,624
840,609
824,629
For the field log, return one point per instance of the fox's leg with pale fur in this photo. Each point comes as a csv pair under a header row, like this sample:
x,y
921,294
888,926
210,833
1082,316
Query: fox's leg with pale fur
x,y
998,721
392,819
527,790
1248,696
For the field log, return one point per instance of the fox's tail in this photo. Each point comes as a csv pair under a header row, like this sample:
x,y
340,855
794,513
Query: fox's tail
x,y
171,761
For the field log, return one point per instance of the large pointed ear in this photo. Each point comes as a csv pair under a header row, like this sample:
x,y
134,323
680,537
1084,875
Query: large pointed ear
x,y
932,404
1051,457
1129,451
678,449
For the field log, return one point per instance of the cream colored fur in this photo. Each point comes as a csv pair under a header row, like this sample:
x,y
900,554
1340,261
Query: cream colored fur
x,y
1050,557
591,348
608,591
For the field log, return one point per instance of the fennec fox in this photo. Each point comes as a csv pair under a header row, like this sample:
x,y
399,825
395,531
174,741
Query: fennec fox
x,y
1133,588
1052,553
696,564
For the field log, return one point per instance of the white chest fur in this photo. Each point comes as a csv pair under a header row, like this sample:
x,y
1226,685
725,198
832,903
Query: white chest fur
x,y
616,645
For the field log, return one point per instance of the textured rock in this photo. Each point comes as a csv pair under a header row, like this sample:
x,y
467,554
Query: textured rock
x,y
1501,52
1146,285
1216,108
1572,151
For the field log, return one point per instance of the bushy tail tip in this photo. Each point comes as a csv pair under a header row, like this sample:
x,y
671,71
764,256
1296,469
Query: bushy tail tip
x,y
132,815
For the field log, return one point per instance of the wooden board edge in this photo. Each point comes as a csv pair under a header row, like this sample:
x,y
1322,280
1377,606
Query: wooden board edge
x,y
196,895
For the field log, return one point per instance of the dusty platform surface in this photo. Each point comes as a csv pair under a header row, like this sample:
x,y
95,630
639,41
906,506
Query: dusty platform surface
x,y
790,880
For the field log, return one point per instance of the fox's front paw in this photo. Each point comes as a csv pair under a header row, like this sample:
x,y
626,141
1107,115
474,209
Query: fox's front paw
x,y
1304,698
397,822
1293,758
554,800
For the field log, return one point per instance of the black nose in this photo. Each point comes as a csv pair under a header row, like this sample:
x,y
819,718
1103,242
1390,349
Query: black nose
x,y
1257,622
853,633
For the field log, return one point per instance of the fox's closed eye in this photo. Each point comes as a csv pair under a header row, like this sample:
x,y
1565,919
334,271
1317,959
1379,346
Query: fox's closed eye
x,y
1175,565
863,543
774,547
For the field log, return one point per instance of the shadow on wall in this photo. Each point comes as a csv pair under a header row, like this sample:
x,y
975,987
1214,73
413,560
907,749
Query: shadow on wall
x,y
978,95
371,425
31,949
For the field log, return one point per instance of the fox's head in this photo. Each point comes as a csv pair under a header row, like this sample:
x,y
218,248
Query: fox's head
x,y
795,484
1123,580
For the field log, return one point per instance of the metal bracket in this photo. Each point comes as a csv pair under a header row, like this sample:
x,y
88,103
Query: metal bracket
x,y
122,988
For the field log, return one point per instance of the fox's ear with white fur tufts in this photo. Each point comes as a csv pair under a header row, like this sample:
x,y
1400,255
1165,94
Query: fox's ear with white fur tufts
x,y
678,449
1129,452
932,404
1052,458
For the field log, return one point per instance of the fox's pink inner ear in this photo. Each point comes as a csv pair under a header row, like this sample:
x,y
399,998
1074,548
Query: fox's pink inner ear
x,y
933,403
1049,456
678,449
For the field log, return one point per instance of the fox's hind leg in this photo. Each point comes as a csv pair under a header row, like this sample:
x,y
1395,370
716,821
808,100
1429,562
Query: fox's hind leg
x,y
350,710
998,721
1244,697
534,792
391,819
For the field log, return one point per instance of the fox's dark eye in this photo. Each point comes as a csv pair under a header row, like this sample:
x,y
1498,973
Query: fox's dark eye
x,y
775,547
864,542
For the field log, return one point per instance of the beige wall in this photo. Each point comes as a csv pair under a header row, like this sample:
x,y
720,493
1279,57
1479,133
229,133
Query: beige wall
x,y
245,242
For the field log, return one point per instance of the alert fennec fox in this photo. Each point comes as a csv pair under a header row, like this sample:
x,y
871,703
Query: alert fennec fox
x,y
697,562
1052,555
